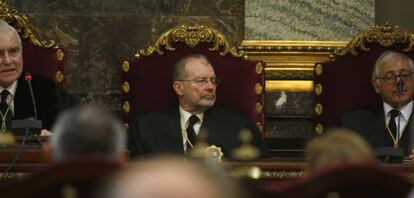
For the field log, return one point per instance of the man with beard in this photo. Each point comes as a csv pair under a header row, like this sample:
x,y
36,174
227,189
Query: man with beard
x,y
174,130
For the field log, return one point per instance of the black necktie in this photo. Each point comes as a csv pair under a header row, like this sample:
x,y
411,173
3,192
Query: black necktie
x,y
190,130
392,126
6,114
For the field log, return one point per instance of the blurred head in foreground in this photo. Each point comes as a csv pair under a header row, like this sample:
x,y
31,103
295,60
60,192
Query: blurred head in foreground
x,y
172,177
338,146
88,131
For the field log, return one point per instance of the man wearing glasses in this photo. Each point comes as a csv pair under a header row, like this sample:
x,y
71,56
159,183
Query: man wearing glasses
x,y
388,124
175,130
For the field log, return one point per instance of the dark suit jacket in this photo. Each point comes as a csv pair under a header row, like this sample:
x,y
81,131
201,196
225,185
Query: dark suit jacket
x,y
50,100
370,123
160,132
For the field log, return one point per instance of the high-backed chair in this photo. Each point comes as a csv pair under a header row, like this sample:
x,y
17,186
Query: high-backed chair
x,y
345,81
147,78
40,57
345,181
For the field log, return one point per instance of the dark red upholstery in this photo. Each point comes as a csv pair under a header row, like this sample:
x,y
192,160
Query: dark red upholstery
x,y
43,61
344,181
346,81
150,80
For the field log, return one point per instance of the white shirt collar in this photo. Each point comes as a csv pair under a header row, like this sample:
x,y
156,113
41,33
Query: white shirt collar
x,y
405,110
12,88
185,115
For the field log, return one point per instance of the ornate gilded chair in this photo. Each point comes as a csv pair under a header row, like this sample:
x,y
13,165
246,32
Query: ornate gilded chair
x,y
147,78
40,57
345,81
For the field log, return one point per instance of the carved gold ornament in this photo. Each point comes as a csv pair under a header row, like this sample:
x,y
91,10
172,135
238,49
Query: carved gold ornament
x,y
21,23
125,66
259,108
259,126
60,54
192,34
318,89
259,68
318,109
125,87
126,107
318,69
59,76
384,35
319,129
258,88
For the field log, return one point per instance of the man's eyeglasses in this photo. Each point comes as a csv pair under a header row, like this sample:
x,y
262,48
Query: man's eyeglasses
x,y
204,81
392,78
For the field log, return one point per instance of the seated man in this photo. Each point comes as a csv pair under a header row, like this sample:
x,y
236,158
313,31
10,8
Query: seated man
x,y
387,124
174,130
87,132
16,99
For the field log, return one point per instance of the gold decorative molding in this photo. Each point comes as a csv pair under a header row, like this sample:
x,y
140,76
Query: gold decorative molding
x,y
126,107
59,76
291,46
289,74
259,126
319,69
258,88
289,86
318,89
384,35
60,55
318,109
281,174
319,129
259,68
125,87
259,108
21,23
125,66
192,34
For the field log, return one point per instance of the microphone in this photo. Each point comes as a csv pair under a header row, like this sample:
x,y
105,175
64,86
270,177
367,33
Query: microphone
x,y
400,87
28,78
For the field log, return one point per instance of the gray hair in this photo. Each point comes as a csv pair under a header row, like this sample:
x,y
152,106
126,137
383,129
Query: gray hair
x,y
87,131
387,57
5,27
179,67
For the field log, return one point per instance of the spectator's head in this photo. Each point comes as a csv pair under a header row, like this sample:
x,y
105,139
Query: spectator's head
x,y
174,178
11,55
195,83
390,69
88,131
338,146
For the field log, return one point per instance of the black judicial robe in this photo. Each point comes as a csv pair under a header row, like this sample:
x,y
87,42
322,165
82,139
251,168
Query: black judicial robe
x,y
160,132
50,98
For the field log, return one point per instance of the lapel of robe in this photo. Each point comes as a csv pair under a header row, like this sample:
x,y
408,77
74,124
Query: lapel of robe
x,y
23,107
174,132
379,132
209,123
405,141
